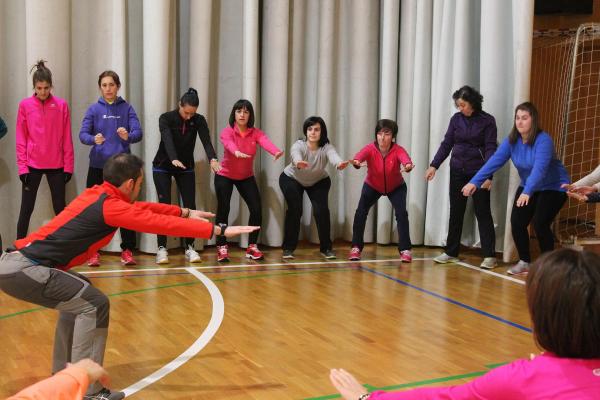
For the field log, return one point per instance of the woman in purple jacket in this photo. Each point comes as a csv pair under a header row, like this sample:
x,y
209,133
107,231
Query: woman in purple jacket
x,y
110,126
471,137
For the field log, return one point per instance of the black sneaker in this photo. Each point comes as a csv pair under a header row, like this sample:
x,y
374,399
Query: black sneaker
x,y
329,254
287,254
105,394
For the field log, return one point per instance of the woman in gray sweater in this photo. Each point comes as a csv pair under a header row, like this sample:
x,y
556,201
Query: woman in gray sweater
x,y
307,173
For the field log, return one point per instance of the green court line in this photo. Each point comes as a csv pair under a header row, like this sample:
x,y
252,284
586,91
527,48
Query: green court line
x,y
426,382
185,284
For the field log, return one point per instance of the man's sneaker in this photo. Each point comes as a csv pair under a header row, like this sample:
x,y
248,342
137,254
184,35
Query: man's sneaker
x,y
489,263
354,254
329,254
253,252
105,394
521,267
192,255
287,254
405,256
94,260
445,258
222,253
127,257
162,255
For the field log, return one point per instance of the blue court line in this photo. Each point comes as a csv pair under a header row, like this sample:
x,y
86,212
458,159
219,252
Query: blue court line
x,y
449,300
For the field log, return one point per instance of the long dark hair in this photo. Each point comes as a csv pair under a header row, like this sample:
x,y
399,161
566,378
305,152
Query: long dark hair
x,y
470,95
310,121
42,73
535,127
241,104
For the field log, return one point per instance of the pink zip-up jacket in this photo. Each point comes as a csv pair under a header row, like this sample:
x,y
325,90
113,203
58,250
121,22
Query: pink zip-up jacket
x,y
43,135
383,173
242,168
545,377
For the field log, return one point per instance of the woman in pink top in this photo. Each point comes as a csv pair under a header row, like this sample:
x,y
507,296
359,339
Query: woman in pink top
x,y
564,303
44,146
384,160
239,140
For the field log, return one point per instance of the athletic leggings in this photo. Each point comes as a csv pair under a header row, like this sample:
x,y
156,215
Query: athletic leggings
x,y
56,181
249,192
186,184
128,238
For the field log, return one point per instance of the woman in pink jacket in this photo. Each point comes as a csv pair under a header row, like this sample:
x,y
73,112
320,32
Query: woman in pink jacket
x,y
564,303
385,161
44,146
239,140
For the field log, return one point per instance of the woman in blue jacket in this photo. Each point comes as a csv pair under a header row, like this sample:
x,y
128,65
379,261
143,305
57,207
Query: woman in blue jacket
x,y
110,126
471,136
540,195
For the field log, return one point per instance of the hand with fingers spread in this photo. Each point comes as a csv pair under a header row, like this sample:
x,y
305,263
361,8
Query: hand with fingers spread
x,y
580,189
346,384
582,198
239,154
200,215
523,200
235,230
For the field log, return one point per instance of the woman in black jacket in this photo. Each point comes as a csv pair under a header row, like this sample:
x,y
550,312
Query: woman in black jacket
x,y
175,159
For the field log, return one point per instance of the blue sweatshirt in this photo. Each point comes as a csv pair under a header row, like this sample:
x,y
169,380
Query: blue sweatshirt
x,y
537,164
105,118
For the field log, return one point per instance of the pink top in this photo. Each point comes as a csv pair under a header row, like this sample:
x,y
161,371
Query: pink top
x,y
242,168
43,135
383,173
68,384
544,377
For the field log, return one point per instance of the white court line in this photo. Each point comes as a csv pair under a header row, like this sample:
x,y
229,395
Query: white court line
x,y
486,271
216,318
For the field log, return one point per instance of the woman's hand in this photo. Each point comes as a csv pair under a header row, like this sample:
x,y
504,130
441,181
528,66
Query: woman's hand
x,y
236,230
408,167
301,164
178,164
94,371
583,189
341,166
487,185
582,198
99,138
278,155
200,215
430,173
356,163
123,134
214,165
468,189
523,200
346,384
239,154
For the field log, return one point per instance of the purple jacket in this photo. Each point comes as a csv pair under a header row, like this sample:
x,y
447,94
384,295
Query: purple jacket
x,y
472,141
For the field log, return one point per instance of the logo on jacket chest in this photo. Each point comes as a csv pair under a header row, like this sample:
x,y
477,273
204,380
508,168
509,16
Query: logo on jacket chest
x,y
104,116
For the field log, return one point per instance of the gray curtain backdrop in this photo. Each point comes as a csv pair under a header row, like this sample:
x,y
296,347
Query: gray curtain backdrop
x,y
349,61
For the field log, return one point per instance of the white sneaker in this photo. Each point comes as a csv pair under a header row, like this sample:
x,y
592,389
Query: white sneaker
x,y
162,256
489,263
192,255
445,258
522,267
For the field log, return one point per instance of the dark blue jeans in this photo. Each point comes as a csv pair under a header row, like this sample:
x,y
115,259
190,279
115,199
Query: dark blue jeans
x,y
368,197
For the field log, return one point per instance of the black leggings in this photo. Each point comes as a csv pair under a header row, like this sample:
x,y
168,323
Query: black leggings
x,y
542,208
56,181
186,184
128,238
249,192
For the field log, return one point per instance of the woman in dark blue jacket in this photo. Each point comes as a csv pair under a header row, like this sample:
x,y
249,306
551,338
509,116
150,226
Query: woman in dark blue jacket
x,y
471,137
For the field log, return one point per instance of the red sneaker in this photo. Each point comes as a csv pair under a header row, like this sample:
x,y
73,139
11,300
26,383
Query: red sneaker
x,y
127,257
354,254
253,252
405,256
94,260
222,254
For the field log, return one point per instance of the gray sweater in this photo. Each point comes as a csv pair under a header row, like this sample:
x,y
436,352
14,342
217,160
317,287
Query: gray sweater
x,y
317,161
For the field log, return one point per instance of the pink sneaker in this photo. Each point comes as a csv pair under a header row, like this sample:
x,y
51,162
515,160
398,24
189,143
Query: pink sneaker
x,y
127,257
222,253
354,254
253,252
405,256
94,260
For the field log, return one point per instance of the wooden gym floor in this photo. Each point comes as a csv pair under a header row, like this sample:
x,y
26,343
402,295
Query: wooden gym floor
x,y
285,324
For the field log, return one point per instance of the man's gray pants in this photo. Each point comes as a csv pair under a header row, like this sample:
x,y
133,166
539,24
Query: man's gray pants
x,y
82,326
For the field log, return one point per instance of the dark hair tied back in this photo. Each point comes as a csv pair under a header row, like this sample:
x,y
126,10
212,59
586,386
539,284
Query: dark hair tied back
x,y
42,73
470,95
190,98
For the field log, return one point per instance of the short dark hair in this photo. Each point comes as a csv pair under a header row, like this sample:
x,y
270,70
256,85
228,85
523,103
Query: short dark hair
x,y
239,105
42,73
387,124
190,98
535,123
310,121
121,167
112,74
470,95
563,295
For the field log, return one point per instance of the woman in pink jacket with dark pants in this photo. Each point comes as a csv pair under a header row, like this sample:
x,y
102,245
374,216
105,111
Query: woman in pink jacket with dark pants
x,y
385,161
44,146
239,139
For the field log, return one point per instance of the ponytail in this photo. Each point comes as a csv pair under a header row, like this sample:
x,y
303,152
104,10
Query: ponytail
x,y
42,73
190,98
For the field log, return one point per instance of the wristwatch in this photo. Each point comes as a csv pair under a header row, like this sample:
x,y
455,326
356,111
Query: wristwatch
x,y
223,228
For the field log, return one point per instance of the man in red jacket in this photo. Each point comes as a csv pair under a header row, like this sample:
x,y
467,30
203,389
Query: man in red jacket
x,y
38,270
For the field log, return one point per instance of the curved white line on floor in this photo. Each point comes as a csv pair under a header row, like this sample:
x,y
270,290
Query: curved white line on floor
x,y
213,326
